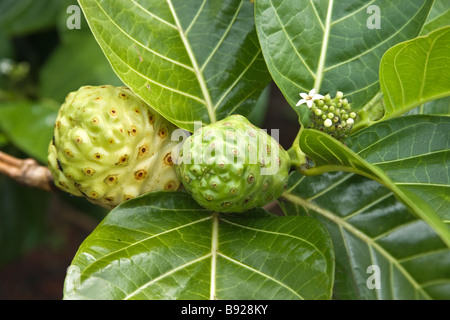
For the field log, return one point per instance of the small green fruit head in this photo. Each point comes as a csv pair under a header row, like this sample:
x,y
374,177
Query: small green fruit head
x,y
332,116
109,146
232,166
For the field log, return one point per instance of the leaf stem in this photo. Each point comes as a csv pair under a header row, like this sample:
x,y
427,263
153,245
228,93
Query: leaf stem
x,y
372,112
296,155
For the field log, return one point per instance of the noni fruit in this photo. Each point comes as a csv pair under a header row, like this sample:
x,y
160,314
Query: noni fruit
x,y
232,166
110,146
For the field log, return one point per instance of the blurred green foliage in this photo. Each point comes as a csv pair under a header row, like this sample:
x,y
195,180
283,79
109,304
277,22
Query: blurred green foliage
x,y
41,61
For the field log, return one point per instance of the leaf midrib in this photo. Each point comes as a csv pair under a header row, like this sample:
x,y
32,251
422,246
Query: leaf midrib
x,y
344,224
197,71
323,51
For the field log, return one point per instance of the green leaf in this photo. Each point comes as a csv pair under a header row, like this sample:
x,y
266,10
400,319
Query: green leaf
x,y
190,60
414,152
77,63
328,45
415,72
409,155
369,226
29,125
18,17
164,246
438,107
439,17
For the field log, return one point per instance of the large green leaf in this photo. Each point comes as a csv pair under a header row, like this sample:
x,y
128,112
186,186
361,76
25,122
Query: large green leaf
x,y
439,17
29,125
328,45
164,246
193,60
409,155
369,226
415,72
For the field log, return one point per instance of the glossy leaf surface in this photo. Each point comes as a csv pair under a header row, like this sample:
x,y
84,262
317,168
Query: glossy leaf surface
x,y
382,251
164,246
415,72
333,45
190,60
409,155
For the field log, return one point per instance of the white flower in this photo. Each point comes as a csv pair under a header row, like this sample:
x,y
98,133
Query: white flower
x,y
327,123
309,98
350,121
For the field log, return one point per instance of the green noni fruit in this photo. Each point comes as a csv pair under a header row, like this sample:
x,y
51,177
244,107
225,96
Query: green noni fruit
x,y
110,146
232,166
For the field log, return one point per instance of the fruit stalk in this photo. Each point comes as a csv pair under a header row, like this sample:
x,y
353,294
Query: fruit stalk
x,y
27,172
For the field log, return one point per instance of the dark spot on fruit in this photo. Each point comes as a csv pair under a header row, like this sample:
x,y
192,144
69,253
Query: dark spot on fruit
x,y
140,175
94,195
250,178
226,204
62,184
53,140
151,118
143,150
68,153
128,197
111,179
247,200
88,171
162,133
122,160
95,121
57,124
123,96
233,190
98,98
170,186
265,186
77,185
134,131
109,199
214,185
209,197
113,112
78,140
97,156
168,159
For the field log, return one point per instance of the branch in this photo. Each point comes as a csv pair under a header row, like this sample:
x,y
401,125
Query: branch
x,y
27,172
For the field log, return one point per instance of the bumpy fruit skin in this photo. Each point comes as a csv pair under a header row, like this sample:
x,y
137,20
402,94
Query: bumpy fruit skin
x,y
232,166
109,146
